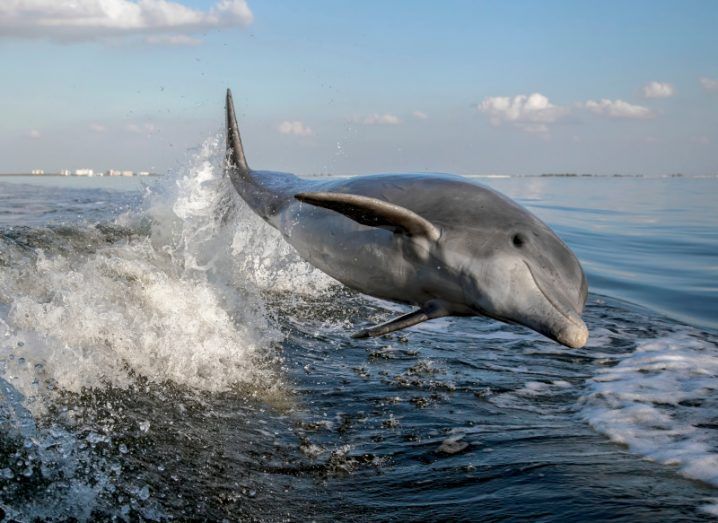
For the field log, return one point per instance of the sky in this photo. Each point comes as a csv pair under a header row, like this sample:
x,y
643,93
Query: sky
x,y
468,87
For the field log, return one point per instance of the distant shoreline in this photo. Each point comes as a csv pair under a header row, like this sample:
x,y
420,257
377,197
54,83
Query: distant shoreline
x,y
324,175
57,175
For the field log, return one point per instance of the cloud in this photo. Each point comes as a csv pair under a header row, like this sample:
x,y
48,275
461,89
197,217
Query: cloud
x,y
146,128
709,84
378,119
34,134
173,40
531,113
658,90
97,127
95,19
619,109
419,115
534,113
295,127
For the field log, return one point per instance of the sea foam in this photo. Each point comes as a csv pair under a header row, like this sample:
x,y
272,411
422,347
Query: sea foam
x,y
660,401
176,295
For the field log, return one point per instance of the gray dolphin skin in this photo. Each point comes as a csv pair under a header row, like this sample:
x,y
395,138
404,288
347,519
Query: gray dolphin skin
x,y
443,243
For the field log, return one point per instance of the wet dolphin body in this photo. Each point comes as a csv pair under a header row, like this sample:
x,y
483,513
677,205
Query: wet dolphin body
x,y
448,245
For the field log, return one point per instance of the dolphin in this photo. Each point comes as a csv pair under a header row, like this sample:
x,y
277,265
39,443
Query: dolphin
x,y
443,243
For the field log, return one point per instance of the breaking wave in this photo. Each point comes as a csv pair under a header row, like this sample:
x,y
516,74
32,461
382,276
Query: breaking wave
x,y
660,401
173,291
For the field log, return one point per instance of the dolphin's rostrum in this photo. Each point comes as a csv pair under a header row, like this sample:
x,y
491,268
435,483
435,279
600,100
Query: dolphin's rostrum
x,y
443,243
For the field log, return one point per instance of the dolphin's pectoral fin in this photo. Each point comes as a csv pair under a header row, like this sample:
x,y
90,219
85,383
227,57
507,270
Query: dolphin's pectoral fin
x,y
429,311
373,212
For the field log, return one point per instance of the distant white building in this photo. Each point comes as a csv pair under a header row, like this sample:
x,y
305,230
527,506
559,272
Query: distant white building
x,y
38,172
113,172
127,173
84,172
143,173
64,172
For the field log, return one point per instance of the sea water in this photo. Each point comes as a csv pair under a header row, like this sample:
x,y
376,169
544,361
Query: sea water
x,y
164,354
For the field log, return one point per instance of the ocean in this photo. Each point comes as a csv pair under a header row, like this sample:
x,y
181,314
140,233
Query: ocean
x,y
164,355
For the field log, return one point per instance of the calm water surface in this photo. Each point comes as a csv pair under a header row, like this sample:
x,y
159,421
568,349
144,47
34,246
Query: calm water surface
x,y
650,241
164,355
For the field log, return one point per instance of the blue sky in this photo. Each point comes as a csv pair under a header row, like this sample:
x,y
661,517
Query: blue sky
x,y
457,86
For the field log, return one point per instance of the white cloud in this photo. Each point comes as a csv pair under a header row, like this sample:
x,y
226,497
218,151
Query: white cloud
x,y
378,119
146,128
709,84
530,113
619,109
534,113
34,134
701,140
172,40
97,127
90,19
295,127
419,115
658,90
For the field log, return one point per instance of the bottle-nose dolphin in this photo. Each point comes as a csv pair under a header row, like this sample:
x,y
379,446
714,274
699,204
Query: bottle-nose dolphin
x,y
444,243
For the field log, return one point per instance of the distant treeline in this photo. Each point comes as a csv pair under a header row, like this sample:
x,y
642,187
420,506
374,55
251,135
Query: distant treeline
x,y
616,175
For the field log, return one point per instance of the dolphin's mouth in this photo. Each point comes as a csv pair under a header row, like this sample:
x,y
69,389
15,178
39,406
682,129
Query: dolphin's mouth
x,y
575,333
570,317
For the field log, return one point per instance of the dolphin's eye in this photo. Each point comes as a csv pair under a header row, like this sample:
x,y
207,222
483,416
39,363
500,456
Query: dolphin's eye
x,y
518,240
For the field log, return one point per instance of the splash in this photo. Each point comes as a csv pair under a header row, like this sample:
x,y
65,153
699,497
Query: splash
x,y
173,291
204,226
660,402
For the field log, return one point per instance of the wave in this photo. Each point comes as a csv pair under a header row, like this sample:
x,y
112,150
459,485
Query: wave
x,y
173,290
660,401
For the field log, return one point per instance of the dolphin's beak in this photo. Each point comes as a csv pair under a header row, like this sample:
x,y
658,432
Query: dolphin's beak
x,y
564,323
574,334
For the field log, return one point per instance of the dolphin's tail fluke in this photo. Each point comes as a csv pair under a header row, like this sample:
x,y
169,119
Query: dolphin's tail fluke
x,y
236,162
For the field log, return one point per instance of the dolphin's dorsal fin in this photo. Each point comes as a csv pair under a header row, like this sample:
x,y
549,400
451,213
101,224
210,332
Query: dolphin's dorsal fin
x,y
235,151
373,212
430,310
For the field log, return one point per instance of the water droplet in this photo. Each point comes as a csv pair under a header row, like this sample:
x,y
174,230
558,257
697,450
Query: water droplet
x,y
144,493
